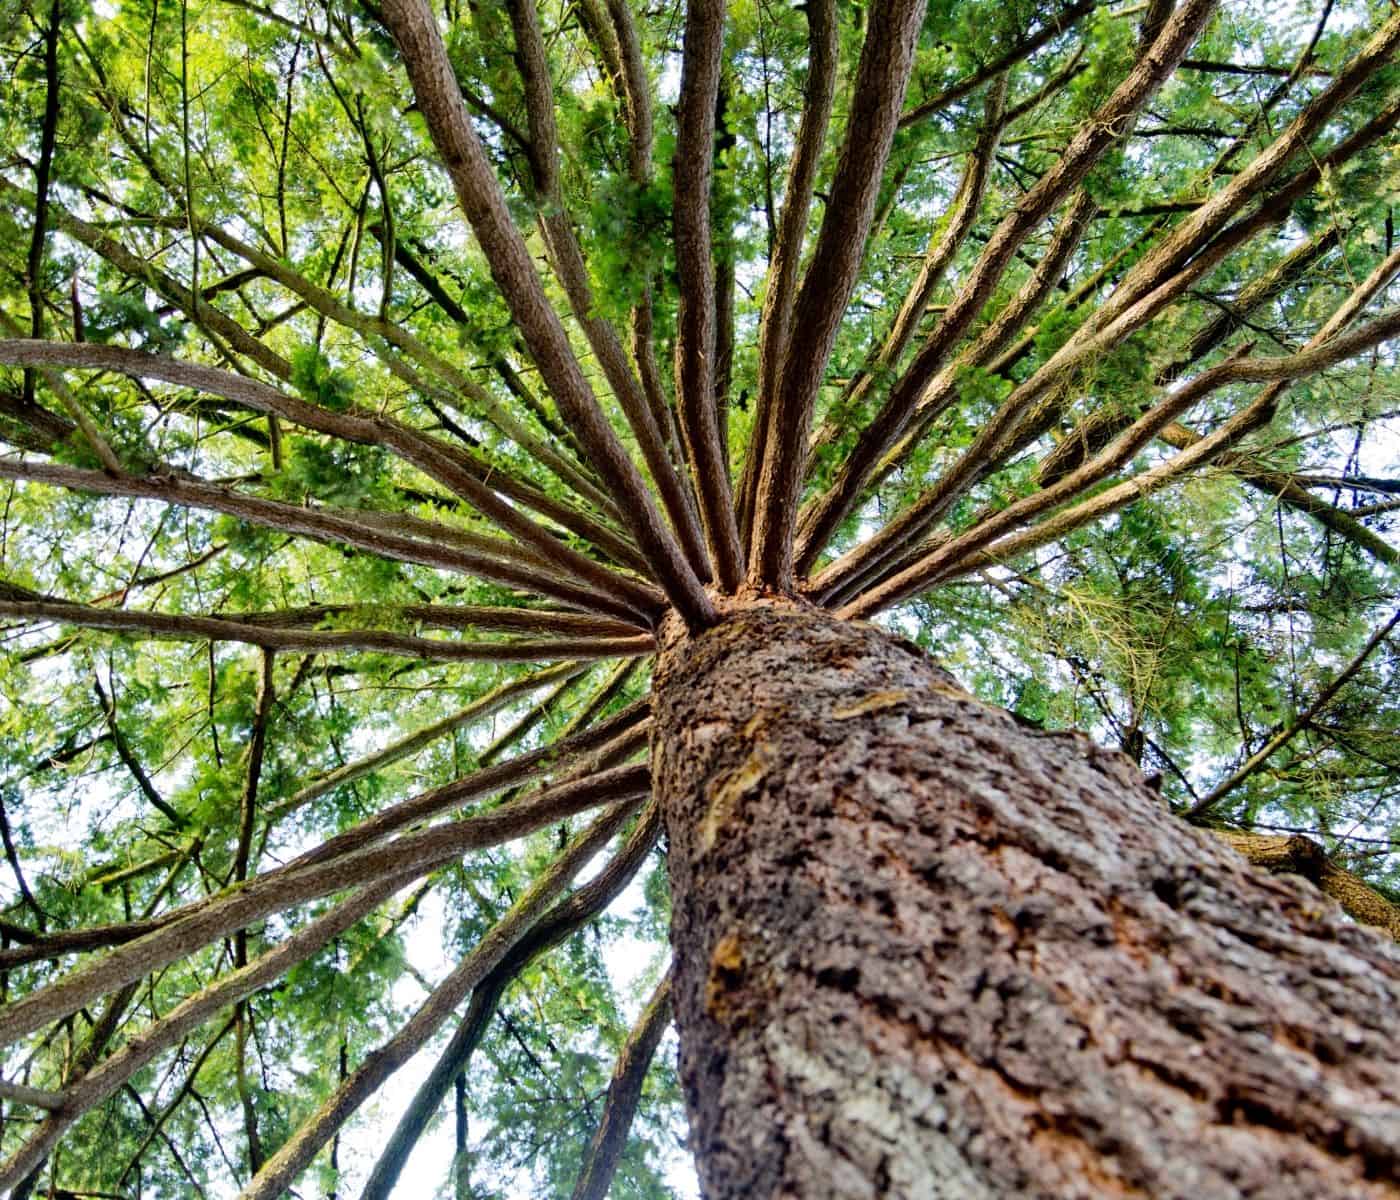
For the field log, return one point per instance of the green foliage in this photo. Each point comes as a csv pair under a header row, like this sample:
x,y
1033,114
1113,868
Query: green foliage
x,y
319,381
248,161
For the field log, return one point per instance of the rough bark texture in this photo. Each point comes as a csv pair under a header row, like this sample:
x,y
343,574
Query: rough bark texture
x,y
923,951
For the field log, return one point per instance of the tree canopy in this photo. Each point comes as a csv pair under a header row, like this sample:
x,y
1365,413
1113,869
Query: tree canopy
x,y
373,377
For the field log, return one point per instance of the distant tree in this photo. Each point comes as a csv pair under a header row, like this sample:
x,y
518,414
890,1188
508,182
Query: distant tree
x,y
442,445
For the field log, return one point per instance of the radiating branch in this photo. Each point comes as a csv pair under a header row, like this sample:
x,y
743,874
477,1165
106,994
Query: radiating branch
x,y
564,919
566,258
630,728
1323,350
478,710
296,1154
492,559
277,891
1093,139
355,426
702,51
786,256
452,386
182,627
915,520
601,747
414,28
624,1094
886,60
1020,418
947,239
87,1091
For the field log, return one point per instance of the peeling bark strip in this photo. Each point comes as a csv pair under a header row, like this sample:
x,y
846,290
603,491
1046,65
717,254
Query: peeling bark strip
x,y
923,951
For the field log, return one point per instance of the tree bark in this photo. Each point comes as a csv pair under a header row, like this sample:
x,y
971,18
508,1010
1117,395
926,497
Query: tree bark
x,y
924,951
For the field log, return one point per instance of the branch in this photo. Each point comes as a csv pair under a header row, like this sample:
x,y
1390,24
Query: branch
x,y
1019,421
624,1094
1228,68
415,30
456,384
920,516
1298,855
1288,489
91,434
1349,483
786,256
414,854
1323,350
1089,144
42,174
1284,489
636,89
948,236
702,51
493,560
1184,255
12,857
567,260
103,1026
354,425
484,706
563,920
552,622
598,28
257,747
627,727
297,1153
33,1097
157,1128
549,706
39,429
1258,292
374,330
182,627
613,32
87,1091
724,260
1060,23
1293,728
1248,419
885,62
123,748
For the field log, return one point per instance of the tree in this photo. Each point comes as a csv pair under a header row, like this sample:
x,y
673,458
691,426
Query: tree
x,y
361,559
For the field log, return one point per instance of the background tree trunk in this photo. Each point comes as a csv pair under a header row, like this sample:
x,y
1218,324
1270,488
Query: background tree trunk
x,y
924,951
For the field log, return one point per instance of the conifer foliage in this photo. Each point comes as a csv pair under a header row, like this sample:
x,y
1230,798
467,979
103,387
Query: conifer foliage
x,y
377,377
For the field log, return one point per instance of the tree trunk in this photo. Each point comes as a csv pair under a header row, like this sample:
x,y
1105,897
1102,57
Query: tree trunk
x,y
923,951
